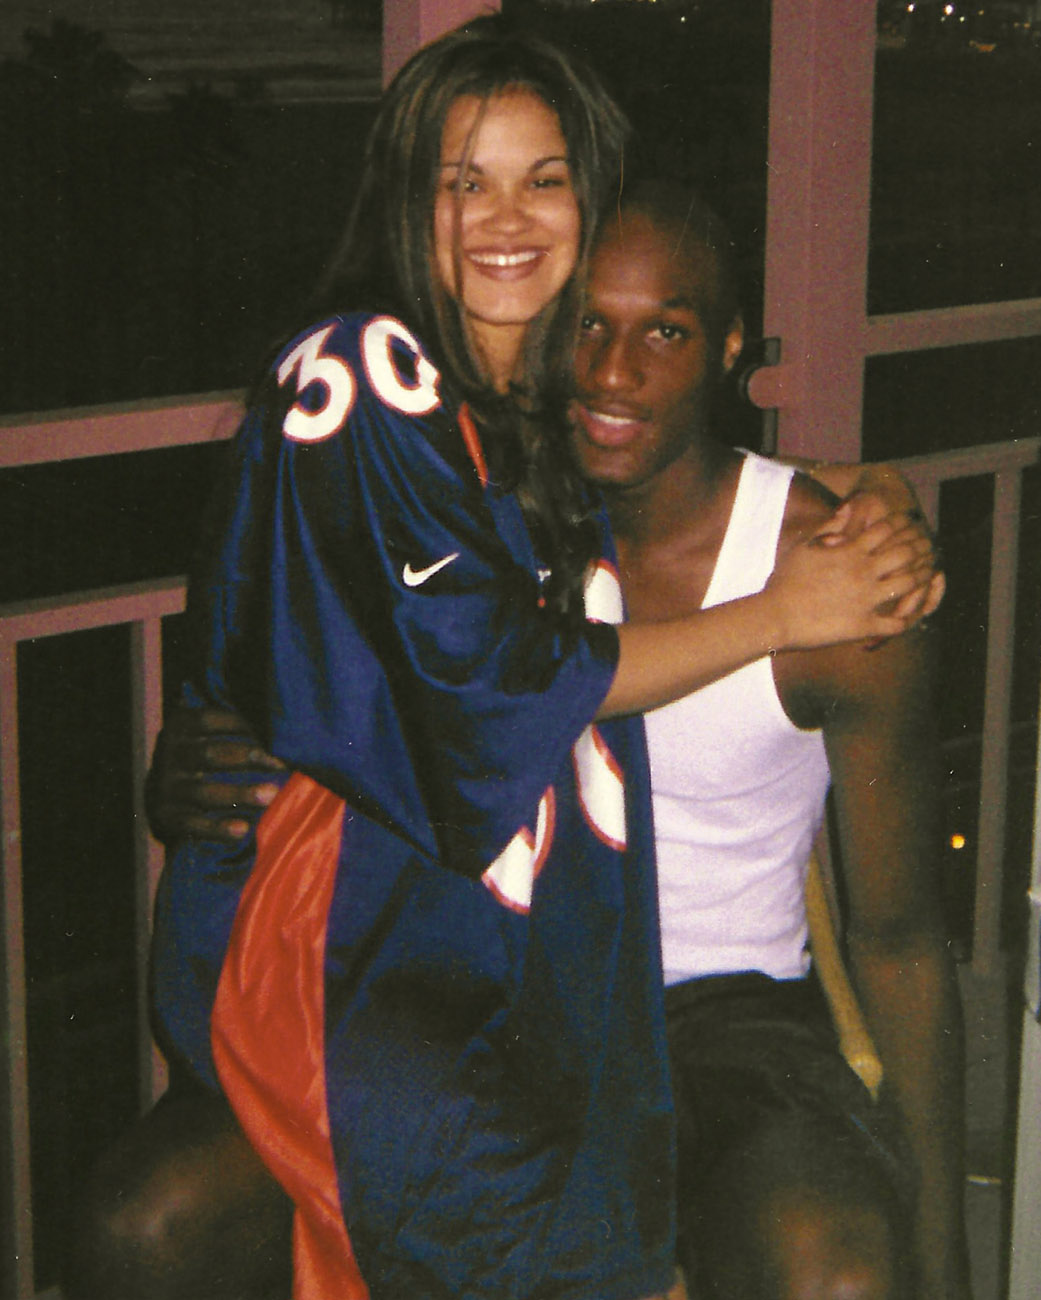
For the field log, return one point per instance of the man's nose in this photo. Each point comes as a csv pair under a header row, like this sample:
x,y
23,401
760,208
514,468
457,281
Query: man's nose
x,y
616,368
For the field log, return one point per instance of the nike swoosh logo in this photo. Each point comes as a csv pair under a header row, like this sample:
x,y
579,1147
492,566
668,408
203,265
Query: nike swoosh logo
x,y
416,577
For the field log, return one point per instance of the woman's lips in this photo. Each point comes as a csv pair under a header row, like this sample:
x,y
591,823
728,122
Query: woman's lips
x,y
605,426
498,264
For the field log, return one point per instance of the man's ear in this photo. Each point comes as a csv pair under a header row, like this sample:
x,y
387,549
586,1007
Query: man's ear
x,y
733,343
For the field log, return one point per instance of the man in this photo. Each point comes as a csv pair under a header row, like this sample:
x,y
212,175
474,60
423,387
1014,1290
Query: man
x,y
737,778
788,1180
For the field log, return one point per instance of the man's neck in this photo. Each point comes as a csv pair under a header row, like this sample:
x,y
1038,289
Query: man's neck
x,y
668,533
684,501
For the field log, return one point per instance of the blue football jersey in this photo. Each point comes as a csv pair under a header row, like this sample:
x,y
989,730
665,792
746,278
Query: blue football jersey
x,y
431,988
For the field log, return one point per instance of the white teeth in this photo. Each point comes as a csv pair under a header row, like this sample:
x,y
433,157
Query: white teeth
x,y
503,259
612,419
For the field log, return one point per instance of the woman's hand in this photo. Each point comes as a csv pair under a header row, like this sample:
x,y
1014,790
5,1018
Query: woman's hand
x,y
873,491
851,584
866,506
206,778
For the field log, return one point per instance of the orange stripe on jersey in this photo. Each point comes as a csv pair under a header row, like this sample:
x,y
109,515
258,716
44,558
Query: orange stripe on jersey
x,y
473,443
268,1030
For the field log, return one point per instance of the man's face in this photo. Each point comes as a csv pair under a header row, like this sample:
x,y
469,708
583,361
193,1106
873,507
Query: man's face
x,y
643,370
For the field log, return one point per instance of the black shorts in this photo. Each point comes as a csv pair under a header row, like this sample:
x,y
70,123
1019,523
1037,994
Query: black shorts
x,y
753,1057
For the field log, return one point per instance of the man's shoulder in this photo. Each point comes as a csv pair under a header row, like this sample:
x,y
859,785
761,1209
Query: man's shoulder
x,y
810,505
832,684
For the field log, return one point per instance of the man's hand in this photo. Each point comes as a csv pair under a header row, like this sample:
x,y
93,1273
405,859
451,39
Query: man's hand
x,y
208,778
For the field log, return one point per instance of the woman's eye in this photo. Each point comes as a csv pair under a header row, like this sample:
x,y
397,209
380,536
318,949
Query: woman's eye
x,y
464,185
587,324
549,182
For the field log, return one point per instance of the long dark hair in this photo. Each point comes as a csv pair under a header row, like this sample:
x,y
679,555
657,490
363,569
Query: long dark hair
x,y
386,259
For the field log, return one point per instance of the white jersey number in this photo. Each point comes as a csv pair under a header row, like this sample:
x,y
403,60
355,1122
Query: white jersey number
x,y
310,364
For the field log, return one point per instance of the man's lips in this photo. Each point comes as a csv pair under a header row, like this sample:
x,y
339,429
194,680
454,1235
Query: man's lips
x,y
608,424
505,264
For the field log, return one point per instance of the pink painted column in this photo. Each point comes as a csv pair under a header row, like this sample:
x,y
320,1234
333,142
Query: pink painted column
x,y
408,24
16,1175
818,197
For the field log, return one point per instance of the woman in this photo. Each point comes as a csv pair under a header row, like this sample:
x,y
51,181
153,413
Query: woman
x,y
434,1000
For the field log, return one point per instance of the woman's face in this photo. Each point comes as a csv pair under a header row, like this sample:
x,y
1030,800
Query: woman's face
x,y
516,224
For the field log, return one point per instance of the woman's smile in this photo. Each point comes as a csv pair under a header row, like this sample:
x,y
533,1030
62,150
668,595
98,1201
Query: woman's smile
x,y
506,219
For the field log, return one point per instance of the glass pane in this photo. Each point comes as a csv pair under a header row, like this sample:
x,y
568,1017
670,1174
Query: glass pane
x,y
79,915
919,402
956,197
101,521
966,523
174,176
928,403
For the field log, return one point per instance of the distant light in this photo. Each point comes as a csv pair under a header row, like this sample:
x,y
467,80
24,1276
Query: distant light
x,y
957,841
948,10
910,9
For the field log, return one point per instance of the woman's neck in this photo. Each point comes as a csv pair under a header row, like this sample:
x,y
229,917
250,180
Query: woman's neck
x,y
500,349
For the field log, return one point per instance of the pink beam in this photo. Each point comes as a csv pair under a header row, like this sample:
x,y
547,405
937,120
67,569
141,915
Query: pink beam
x,y
948,327
134,602
408,24
818,194
112,430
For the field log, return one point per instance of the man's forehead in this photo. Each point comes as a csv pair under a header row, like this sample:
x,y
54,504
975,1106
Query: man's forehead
x,y
643,260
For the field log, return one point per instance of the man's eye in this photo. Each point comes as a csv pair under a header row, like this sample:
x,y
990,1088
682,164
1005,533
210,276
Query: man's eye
x,y
587,324
669,332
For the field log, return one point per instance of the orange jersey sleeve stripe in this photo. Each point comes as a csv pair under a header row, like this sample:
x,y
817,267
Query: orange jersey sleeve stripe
x,y
472,440
268,1030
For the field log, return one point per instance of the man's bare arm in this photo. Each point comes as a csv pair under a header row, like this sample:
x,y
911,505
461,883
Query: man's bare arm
x,y
879,730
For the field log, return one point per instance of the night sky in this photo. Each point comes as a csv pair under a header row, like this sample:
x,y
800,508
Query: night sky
x,y
291,43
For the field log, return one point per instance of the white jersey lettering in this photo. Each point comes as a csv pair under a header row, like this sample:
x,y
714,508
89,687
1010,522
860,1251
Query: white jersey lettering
x,y
603,595
311,366
386,381
601,788
511,877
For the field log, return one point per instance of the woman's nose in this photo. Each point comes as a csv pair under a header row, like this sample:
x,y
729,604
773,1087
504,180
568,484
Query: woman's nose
x,y
509,210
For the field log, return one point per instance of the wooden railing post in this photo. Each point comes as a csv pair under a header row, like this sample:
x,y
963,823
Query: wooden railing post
x,y
146,667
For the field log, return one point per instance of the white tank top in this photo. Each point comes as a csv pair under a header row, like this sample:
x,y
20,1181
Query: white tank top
x,y
738,789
